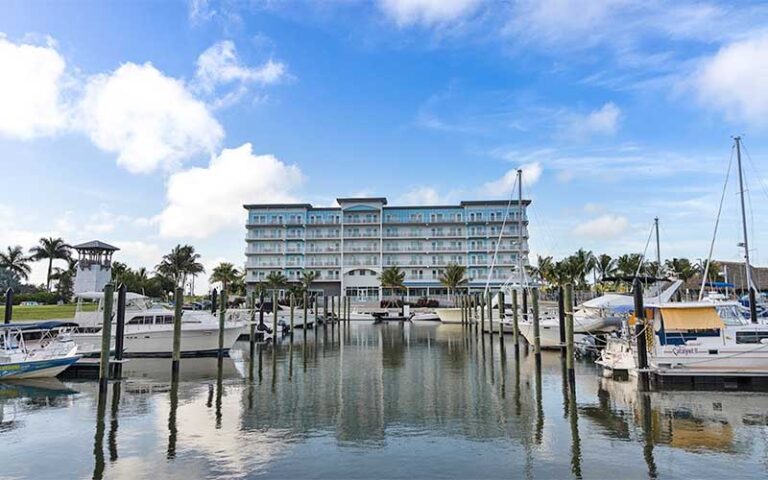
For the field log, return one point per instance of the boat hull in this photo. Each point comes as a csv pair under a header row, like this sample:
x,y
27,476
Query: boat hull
x,y
549,334
159,343
45,368
449,315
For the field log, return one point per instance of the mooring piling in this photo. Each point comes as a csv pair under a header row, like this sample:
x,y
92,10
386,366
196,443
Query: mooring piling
x,y
525,303
515,324
222,318
8,305
482,313
306,319
501,323
176,355
214,299
561,319
640,326
536,327
274,317
569,332
106,337
293,308
325,311
117,370
489,305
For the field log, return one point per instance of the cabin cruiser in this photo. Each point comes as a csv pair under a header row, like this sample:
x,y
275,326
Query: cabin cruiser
x,y
449,315
47,357
149,327
695,339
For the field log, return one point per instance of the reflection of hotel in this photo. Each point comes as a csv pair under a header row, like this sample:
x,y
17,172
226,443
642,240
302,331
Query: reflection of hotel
x,y
348,246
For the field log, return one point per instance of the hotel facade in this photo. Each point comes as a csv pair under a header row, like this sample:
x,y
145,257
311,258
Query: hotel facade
x,y
349,246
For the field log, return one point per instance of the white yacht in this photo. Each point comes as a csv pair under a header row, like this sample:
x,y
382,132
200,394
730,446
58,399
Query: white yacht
x,y
47,358
149,328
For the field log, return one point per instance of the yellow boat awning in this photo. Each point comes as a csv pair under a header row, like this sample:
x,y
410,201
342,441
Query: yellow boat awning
x,y
691,318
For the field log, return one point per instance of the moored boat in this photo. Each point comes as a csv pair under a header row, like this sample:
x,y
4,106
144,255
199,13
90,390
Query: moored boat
x,y
18,360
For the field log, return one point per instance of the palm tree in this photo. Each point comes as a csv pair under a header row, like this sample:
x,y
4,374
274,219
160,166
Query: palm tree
x,y
179,263
16,263
682,268
65,279
582,262
275,280
118,270
605,266
629,264
226,273
452,277
392,278
51,249
543,269
307,279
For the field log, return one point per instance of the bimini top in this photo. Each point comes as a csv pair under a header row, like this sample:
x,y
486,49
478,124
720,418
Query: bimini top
x,y
690,315
100,295
46,325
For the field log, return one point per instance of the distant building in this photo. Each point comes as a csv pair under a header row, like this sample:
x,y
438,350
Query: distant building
x,y
735,275
94,266
349,246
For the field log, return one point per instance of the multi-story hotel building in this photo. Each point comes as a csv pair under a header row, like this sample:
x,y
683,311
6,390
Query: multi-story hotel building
x,y
349,246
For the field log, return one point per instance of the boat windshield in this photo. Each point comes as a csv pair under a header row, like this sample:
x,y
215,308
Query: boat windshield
x,y
730,315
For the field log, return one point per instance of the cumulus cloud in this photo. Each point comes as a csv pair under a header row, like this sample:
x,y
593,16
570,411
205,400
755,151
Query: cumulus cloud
x,y
148,119
30,89
735,80
421,196
426,12
505,185
603,121
220,65
605,226
201,201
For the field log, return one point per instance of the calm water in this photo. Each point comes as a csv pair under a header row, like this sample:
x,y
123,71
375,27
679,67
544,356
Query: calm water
x,y
388,401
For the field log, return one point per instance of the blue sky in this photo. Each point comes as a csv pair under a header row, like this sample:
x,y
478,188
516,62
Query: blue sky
x,y
146,125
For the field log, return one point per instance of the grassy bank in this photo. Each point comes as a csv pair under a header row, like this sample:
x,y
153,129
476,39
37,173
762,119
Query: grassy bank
x,y
44,312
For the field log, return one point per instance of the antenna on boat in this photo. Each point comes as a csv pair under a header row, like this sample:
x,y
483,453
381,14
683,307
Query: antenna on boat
x,y
750,285
658,246
520,227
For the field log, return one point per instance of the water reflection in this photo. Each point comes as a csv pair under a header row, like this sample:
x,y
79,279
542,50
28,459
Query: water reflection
x,y
389,400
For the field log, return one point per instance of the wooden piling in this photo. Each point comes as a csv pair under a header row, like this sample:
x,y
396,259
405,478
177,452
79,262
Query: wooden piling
x,y
490,313
325,311
569,332
293,307
176,355
252,329
525,304
536,328
214,299
306,319
274,317
640,324
222,318
515,324
501,324
8,305
117,370
106,336
482,313
333,307
561,319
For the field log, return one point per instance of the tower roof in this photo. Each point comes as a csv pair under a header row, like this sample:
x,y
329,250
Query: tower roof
x,y
95,245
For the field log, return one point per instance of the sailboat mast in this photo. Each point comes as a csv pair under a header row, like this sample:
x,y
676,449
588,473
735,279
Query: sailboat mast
x,y
658,246
520,227
750,286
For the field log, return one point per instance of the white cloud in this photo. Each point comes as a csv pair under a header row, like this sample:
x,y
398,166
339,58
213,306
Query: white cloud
x,y
421,196
505,185
220,65
30,88
735,80
426,12
605,226
150,120
201,201
603,121
137,253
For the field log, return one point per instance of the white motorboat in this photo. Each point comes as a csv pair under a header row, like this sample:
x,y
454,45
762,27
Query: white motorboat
x,y
149,328
425,317
705,339
617,356
19,360
449,315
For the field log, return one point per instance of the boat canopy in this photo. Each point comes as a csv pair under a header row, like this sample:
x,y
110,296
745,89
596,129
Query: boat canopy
x,y
47,325
699,317
100,295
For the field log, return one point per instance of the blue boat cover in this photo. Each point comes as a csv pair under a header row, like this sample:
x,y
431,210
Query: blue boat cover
x,y
46,325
